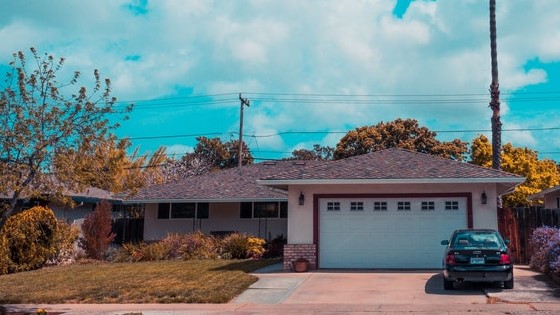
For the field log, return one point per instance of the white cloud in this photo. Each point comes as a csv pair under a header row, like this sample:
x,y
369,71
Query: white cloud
x,y
317,47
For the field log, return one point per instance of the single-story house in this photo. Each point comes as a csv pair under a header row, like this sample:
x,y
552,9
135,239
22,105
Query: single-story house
x,y
550,197
85,203
386,209
219,203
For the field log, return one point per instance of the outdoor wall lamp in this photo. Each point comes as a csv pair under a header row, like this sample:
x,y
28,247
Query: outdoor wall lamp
x,y
483,197
301,199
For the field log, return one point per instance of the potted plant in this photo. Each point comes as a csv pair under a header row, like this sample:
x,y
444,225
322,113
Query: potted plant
x,y
301,265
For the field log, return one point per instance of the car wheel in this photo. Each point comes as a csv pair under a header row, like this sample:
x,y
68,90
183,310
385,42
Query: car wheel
x,y
447,284
508,284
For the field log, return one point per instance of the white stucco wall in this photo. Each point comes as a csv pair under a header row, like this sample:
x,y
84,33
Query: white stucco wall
x,y
550,200
72,216
300,218
222,217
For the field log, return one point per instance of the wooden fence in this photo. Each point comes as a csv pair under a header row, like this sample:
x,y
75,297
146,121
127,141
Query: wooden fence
x,y
517,225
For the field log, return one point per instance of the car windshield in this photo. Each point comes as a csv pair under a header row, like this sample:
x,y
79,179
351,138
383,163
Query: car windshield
x,y
477,239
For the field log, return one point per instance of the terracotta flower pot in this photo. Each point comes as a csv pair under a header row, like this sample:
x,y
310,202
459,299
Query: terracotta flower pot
x,y
301,265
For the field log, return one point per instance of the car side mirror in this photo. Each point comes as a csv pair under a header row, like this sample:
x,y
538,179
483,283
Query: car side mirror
x,y
507,242
445,242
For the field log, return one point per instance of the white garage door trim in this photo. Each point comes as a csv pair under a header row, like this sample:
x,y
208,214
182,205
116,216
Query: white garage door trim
x,y
369,231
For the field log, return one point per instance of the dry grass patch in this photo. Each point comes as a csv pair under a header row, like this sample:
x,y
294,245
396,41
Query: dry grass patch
x,y
196,281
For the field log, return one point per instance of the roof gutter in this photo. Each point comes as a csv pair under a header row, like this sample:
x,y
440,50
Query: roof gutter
x,y
284,182
212,200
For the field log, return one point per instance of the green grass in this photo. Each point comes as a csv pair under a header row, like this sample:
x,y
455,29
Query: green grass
x,y
195,281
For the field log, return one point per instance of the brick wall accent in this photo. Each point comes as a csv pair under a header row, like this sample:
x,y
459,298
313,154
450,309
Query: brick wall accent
x,y
295,251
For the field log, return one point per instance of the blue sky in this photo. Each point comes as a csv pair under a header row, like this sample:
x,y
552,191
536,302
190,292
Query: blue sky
x,y
312,70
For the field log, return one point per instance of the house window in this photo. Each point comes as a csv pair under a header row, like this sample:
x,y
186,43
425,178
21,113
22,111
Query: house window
x,y
163,211
452,205
333,206
246,210
356,206
265,210
403,205
183,210
202,210
250,210
283,210
428,205
380,206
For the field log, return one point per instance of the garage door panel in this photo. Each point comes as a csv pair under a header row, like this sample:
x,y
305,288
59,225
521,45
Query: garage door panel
x,y
387,233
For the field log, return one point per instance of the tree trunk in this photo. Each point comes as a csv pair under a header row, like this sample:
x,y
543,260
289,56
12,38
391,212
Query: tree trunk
x,y
495,93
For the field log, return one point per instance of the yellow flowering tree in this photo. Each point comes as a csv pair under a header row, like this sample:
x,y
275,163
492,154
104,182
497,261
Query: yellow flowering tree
x,y
539,174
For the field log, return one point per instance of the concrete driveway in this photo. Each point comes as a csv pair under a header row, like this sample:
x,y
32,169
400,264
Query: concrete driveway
x,y
357,287
417,290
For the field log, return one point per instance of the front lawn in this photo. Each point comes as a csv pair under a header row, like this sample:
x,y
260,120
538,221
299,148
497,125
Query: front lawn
x,y
176,281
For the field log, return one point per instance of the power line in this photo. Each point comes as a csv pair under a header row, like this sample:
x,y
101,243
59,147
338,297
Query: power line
x,y
371,99
283,133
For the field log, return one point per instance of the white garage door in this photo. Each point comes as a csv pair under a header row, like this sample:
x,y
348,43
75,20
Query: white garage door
x,y
387,233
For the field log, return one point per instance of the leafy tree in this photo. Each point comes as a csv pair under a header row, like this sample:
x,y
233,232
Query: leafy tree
x,y
39,118
154,171
539,174
209,155
105,165
97,235
400,133
318,153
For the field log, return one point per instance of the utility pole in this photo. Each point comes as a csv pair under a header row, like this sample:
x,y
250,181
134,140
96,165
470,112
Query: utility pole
x,y
495,94
243,101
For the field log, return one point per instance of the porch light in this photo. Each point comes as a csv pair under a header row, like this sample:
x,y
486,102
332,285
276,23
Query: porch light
x,y
483,197
301,199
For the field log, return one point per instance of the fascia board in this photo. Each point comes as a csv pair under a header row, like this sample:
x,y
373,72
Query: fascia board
x,y
391,181
229,200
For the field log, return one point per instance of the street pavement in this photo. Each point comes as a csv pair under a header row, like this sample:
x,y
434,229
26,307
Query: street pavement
x,y
356,292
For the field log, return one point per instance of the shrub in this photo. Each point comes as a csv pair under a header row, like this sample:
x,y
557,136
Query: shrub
x,y
542,242
255,247
65,240
96,231
28,240
275,247
241,246
194,245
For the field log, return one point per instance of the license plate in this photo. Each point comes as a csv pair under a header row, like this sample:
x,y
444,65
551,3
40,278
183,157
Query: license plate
x,y
477,260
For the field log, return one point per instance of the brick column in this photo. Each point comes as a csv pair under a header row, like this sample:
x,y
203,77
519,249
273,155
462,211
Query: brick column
x,y
295,251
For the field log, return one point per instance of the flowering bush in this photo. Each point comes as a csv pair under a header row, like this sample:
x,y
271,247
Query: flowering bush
x,y
255,247
545,242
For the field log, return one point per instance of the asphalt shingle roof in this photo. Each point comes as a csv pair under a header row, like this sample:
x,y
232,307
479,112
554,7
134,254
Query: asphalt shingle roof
x,y
233,184
392,164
